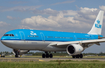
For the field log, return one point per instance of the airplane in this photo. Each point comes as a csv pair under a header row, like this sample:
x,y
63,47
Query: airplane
x,y
24,40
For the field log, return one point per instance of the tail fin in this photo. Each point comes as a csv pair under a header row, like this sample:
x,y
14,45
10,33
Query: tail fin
x,y
97,26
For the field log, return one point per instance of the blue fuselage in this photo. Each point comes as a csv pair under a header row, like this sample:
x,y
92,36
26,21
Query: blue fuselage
x,y
27,39
41,35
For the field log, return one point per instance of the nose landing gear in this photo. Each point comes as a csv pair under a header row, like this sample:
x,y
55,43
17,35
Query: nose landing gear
x,y
16,53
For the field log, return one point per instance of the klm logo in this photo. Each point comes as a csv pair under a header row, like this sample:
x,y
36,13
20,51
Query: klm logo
x,y
97,25
32,33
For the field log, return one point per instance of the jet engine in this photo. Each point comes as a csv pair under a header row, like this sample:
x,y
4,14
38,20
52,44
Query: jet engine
x,y
74,49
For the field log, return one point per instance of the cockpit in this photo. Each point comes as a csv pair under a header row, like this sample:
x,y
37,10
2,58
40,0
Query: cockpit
x,y
8,35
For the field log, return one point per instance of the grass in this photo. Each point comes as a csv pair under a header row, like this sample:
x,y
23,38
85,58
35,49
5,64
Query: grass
x,y
75,61
54,64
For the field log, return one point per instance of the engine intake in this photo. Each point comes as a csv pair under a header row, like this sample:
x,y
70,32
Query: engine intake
x,y
74,49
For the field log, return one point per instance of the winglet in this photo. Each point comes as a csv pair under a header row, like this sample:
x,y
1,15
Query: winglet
x,y
97,26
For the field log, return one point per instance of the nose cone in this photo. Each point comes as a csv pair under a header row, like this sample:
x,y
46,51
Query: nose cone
x,y
5,41
2,39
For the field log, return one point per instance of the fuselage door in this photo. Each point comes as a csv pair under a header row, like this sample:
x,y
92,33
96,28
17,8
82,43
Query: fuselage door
x,y
42,36
22,35
75,38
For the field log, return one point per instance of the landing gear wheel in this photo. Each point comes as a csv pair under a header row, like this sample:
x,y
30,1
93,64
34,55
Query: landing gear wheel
x,y
43,55
47,55
51,56
81,55
16,56
77,56
73,56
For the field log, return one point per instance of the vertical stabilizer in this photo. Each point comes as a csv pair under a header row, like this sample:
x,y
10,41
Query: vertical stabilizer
x,y
97,26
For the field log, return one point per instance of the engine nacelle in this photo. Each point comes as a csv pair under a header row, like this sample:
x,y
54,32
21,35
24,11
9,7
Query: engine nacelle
x,y
74,49
20,52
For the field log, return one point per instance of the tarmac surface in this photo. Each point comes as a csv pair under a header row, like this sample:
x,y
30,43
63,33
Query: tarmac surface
x,y
47,59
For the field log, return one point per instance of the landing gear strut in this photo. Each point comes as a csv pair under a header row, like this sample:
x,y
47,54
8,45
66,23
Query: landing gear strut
x,y
47,55
16,53
78,56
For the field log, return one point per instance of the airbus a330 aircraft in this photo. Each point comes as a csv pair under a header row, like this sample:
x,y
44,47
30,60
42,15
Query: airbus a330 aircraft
x,y
24,40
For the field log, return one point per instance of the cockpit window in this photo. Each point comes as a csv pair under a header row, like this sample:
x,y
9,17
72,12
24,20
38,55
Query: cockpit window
x,y
8,35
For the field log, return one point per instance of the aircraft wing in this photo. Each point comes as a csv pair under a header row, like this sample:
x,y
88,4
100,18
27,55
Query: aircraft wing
x,y
95,41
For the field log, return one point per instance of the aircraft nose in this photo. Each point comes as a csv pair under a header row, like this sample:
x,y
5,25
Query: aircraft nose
x,y
2,41
5,41
2,38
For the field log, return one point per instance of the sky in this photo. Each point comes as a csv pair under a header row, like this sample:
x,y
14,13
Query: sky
x,y
55,15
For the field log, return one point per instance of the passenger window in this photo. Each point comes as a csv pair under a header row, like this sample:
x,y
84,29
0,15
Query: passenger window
x,y
12,35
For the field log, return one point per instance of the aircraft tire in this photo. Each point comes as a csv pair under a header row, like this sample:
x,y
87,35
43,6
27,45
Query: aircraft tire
x,y
16,56
77,56
47,55
43,55
16,53
51,56
73,56
81,55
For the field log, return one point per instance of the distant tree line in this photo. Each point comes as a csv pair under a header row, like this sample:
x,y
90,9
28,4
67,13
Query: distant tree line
x,y
6,53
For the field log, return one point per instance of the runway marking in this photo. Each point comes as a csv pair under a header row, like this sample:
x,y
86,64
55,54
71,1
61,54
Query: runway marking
x,y
18,59
41,60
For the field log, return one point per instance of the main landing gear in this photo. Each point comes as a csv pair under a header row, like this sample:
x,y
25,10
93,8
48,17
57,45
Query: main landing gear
x,y
47,55
78,56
